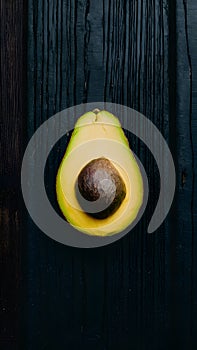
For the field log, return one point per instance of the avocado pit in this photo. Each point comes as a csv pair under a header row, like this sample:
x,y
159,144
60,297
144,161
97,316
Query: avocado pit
x,y
100,182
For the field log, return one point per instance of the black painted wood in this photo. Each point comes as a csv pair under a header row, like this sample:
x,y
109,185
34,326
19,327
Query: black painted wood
x,y
117,296
183,241
140,292
12,139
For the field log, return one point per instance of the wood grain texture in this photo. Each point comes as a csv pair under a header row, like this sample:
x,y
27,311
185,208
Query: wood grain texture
x,y
140,292
184,242
12,124
114,297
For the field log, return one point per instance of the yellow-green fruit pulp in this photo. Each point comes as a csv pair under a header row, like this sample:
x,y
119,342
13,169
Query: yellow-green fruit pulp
x,y
99,135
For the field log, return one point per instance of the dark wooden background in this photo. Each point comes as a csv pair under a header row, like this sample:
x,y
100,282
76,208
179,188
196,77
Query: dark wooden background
x,y
141,292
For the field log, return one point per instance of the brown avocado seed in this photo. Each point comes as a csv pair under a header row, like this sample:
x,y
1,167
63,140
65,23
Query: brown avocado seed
x,y
100,182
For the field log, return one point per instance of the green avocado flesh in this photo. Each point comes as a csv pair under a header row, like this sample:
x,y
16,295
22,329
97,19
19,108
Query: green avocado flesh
x,y
99,185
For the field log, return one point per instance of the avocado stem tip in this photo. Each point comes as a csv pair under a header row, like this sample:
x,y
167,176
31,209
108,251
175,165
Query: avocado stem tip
x,y
96,111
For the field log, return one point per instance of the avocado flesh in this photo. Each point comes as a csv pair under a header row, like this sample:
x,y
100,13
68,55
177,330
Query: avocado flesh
x,y
99,135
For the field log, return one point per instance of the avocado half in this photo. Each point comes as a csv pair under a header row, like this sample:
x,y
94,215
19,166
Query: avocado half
x,y
98,135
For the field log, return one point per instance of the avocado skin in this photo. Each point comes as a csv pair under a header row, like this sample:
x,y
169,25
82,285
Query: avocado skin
x,y
99,134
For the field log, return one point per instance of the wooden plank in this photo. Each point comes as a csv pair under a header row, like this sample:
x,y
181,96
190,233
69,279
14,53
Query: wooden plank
x,y
116,296
12,107
191,13
183,240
